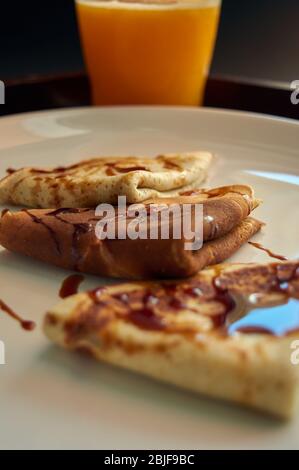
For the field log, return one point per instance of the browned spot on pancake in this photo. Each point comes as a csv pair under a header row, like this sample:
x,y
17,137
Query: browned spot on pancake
x,y
110,171
54,188
259,350
92,166
51,319
168,163
241,353
14,187
37,187
113,169
83,322
110,341
3,212
191,192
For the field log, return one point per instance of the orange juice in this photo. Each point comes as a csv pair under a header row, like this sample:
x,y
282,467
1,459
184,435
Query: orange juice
x,y
148,51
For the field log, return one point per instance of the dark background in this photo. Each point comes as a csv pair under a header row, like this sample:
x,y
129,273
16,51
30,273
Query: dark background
x,y
258,39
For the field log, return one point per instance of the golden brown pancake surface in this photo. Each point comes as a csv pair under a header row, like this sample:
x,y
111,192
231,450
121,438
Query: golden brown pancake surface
x,y
67,238
227,332
101,180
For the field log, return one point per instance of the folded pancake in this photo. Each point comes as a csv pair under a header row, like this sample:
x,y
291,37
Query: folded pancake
x,y
228,332
68,237
91,182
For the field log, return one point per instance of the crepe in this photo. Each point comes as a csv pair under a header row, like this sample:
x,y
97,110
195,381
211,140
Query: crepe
x,y
102,180
206,334
68,237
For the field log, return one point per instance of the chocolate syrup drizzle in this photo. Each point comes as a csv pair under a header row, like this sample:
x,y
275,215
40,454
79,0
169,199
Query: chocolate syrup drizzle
x,y
70,285
78,229
51,232
10,171
269,252
141,307
279,319
25,324
66,210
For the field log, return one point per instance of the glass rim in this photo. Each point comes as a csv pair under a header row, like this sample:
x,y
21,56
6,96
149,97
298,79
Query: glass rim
x,y
151,4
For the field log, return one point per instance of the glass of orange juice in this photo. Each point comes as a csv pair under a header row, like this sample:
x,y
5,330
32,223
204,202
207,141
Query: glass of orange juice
x,y
148,51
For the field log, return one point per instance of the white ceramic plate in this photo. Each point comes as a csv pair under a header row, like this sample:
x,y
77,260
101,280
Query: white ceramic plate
x,y
54,399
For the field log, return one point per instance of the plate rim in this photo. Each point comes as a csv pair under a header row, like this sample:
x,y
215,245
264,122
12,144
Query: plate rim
x,y
257,117
143,108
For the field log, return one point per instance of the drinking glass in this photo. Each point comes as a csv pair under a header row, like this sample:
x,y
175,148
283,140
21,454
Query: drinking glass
x,y
148,51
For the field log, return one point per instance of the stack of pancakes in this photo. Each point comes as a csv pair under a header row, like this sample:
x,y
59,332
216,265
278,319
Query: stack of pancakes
x,y
218,332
